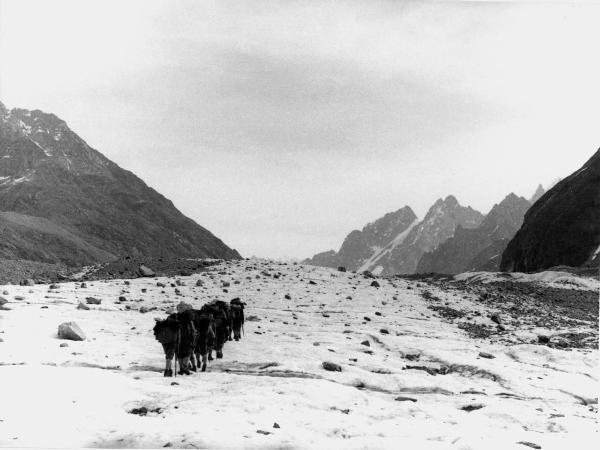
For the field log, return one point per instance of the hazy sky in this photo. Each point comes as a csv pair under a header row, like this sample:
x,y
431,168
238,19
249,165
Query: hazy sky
x,y
281,126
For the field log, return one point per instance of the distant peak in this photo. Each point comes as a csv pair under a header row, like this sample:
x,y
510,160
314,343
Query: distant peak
x,y
538,193
3,110
451,200
406,211
38,116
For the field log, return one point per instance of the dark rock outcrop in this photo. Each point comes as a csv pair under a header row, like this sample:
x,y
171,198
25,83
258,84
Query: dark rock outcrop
x,y
563,227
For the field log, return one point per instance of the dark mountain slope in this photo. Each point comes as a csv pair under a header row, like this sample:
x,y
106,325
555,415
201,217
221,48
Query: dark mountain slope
x,y
563,227
49,172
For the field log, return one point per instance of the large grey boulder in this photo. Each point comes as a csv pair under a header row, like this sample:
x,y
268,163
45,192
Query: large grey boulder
x,y
70,331
146,271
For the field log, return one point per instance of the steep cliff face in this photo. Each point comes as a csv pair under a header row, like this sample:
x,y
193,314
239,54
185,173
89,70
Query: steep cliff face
x,y
478,248
64,201
563,227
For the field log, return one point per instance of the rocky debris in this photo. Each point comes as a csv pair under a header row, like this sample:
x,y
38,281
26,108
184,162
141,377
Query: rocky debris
x,y
375,284
341,269
405,399
530,444
447,312
332,367
83,306
276,425
495,318
93,301
384,331
54,286
64,344
519,305
70,331
27,282
486,355
199,283
14,271
146,271
144,309
472,407
430,370
3,301
144,411
287,296
543,339
365,343
162,285
263,432
19,297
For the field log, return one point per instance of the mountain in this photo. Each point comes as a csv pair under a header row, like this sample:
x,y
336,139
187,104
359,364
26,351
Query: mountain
x,y
537,194
439,224
360,245
63,201
563,227
395,243
478,248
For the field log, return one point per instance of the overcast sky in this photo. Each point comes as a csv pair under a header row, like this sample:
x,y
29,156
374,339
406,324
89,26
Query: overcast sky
x,y
281,126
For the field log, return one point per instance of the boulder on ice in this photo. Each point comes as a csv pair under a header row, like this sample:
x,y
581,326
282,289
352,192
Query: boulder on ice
x,y
70,331
146,271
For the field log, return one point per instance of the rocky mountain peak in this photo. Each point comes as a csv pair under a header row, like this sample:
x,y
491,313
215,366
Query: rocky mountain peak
x,y
3,110
451,200
478,248
36,122
537,194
